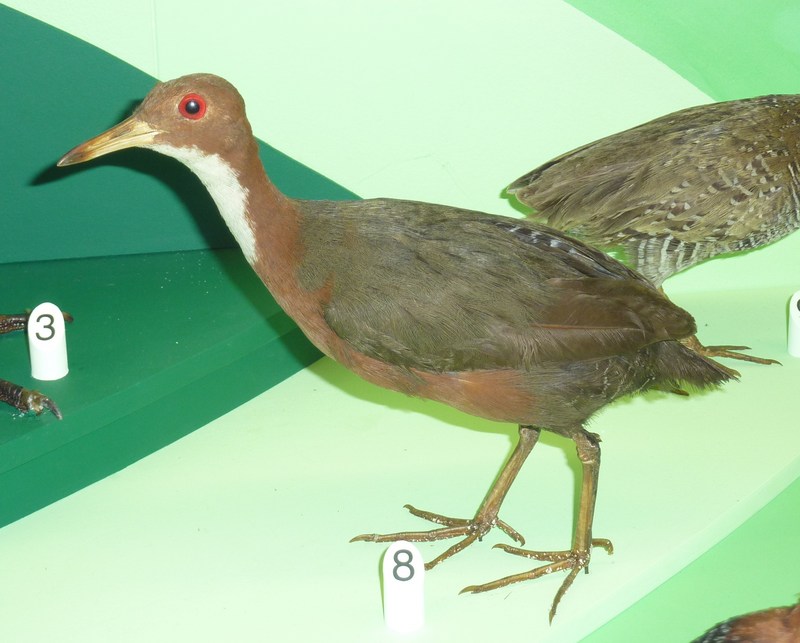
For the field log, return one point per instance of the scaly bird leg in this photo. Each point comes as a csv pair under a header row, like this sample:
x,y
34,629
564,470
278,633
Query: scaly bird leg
x,y
27,400
578,557
10,323
485,518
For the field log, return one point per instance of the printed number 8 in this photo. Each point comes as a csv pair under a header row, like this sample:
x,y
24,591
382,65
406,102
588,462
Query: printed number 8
x,y
49,326
399,564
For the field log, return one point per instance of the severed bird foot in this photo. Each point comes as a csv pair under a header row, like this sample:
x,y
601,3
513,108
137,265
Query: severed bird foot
x,y
470,530
573,560
731,352
23,399
27,400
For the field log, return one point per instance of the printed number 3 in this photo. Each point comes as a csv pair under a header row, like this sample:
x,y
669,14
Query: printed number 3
x,y
46,326
403,564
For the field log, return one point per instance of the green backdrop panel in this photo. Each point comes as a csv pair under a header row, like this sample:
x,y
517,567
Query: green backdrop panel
x,y
727,49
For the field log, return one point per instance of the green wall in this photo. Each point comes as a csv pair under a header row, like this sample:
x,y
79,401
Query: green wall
x,y
727,49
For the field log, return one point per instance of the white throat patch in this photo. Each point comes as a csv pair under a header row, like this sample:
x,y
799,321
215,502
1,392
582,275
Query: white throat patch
x,y
224,187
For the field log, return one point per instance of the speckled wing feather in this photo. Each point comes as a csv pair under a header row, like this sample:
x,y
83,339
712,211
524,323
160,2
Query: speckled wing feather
x,y
450,308
709,179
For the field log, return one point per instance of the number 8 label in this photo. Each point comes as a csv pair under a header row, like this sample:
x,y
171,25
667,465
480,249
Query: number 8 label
x,y
403,588
403,565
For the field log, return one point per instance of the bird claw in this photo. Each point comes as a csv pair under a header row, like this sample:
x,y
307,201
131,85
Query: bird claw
x,y
471,530
573,560
26,400
35,402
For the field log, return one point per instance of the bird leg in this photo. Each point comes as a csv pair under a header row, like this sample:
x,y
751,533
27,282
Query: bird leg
x,y
578,557
731,352
486,517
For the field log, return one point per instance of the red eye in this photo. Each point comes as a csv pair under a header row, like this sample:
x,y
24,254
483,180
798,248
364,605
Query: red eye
x,y
192,106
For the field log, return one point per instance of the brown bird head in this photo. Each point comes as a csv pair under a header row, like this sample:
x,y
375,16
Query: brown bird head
x,y
200,121
198,113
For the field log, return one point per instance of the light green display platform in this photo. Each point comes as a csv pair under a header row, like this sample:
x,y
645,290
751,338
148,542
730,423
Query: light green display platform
x,y
240,530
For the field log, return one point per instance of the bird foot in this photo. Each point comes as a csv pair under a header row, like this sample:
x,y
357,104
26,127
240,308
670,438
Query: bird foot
x,y
23,399
731,352
27,400
471,530
573,560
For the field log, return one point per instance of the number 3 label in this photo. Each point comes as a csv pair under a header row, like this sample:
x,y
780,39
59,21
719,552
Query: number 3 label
x,y
47,341
45,322
403,587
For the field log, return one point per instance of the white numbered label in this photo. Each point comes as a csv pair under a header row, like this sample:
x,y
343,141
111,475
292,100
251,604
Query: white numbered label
x,y
403,587
47,341
794,325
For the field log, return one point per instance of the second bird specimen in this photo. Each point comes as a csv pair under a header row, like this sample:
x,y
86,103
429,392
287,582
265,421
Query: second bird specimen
x,y
680,189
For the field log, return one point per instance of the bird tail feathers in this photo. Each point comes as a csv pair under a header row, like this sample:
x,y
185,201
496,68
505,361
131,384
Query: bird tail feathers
x,y
682,365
